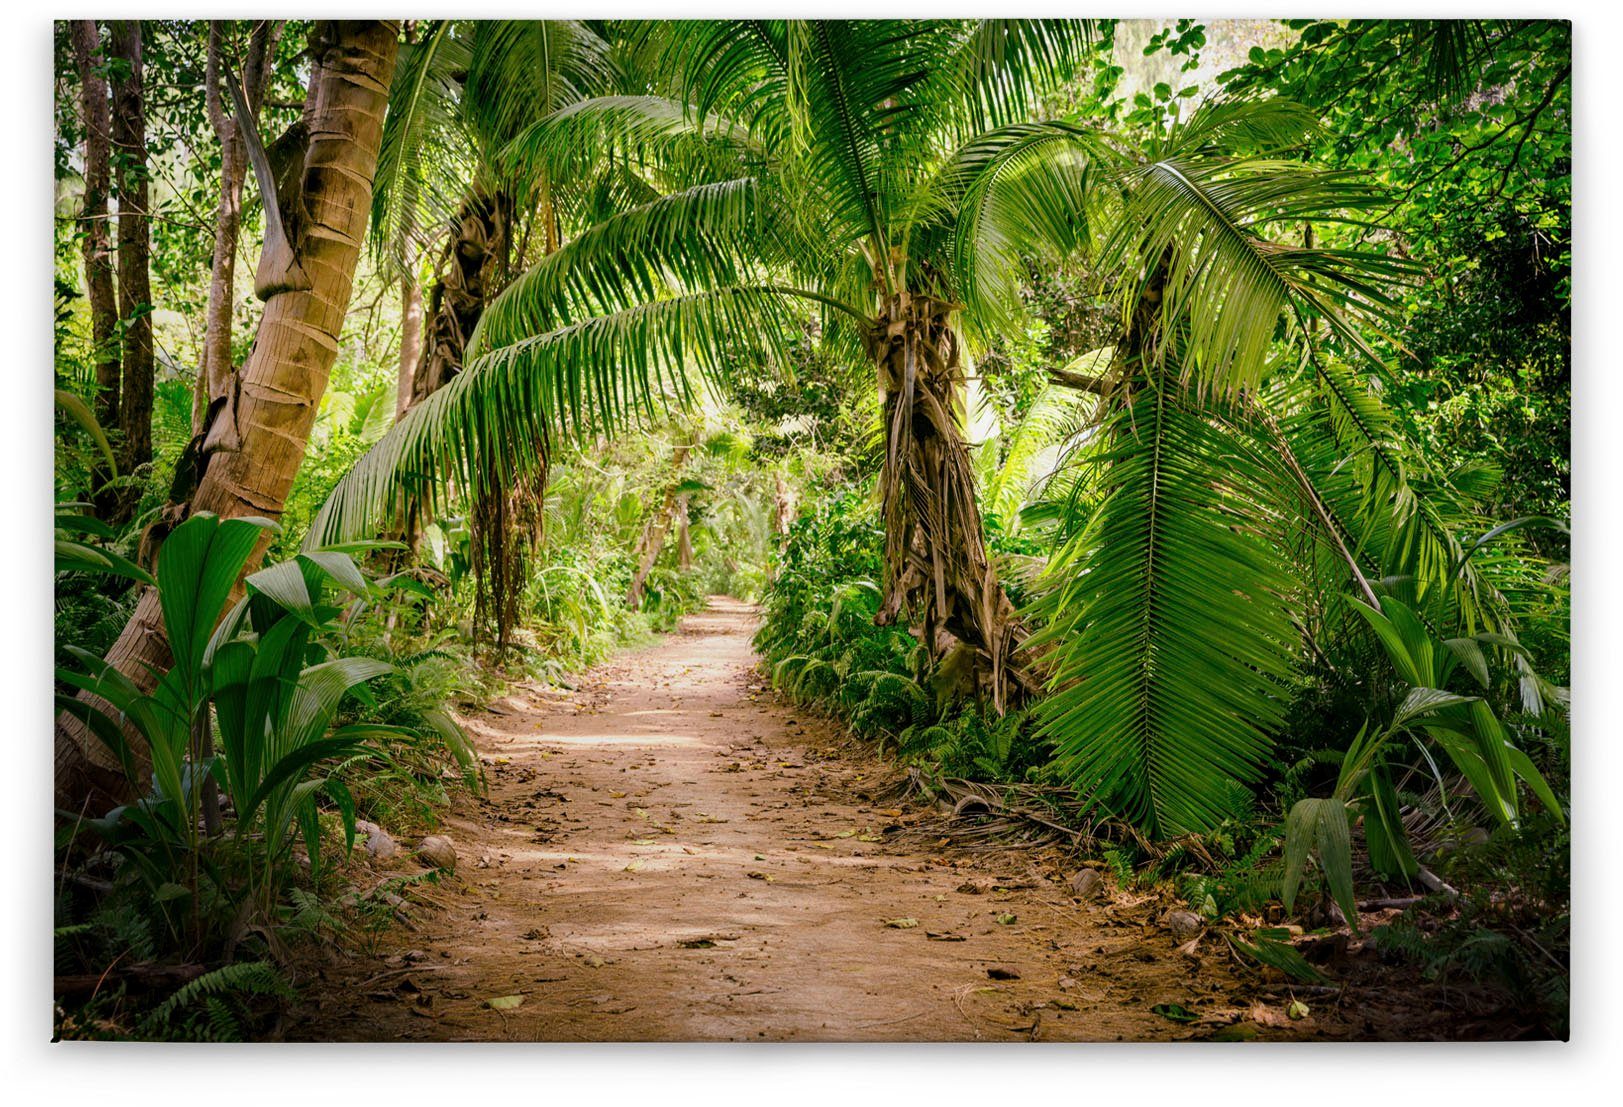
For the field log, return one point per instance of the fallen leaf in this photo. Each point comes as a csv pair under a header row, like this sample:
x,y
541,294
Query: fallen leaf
x,y
1263,1015
900,924
1007,919
1297,1009
943,936
504,1003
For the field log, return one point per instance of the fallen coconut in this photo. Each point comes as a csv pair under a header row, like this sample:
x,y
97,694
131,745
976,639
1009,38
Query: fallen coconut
x,y
1184,925
380,846
1087,883
437,852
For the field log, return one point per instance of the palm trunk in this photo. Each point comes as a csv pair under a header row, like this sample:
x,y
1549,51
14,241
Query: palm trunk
x,y
250,470
214,376
134,250
97,245
467,280
937,572
411,335
653,533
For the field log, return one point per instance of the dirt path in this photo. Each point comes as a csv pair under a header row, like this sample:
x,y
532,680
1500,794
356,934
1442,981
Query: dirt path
x,y
671,853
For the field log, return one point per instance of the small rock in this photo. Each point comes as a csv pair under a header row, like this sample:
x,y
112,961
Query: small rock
x,y
1066,983
380,846
1003,972
1184,925
970,888
1087,883
437,851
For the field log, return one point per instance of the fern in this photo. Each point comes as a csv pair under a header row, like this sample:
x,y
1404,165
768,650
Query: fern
x,y
245,978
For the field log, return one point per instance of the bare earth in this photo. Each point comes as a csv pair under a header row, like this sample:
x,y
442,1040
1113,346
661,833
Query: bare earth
x,y
672,853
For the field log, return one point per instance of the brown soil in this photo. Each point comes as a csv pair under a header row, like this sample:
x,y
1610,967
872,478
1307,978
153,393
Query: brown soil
x,y
669,852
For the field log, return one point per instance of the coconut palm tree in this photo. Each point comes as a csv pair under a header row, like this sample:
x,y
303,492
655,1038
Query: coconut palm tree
x,y
822,165
250,469
888,176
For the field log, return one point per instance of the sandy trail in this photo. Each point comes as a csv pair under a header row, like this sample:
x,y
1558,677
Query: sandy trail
x,y
671,853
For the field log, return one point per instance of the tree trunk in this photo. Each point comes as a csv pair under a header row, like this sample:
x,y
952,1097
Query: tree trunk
x,y
134,250
259,439
653,533
468,278
97,245
937,572
214,375
684,541
411,335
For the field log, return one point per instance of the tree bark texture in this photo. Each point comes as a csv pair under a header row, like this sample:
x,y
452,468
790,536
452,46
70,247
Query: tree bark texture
x,y
97,242
259,439
134,246
937,572
469,276
214,376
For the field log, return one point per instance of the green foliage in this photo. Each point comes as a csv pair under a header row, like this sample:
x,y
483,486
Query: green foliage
x,y
264,683
212,1008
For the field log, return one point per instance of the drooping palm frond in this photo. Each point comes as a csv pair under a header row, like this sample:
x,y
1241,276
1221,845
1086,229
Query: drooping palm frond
x,y
499,417
1171,634
657,136
704,237
521,69
426,157
1056,416
1215,226
998,70
1028,190
1403,522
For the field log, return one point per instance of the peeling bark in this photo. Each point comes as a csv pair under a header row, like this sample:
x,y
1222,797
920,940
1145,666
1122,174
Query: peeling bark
x,y
937,572
274,403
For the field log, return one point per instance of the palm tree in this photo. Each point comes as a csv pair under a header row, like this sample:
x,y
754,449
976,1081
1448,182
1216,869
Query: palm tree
x,y
888,176
823,166
1242,489
460,96
250,472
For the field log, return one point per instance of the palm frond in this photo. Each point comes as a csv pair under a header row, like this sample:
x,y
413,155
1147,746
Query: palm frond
x,y
998,70
699,238
425,159
1024,191
498,418
1054,417
1213,225
1171,636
